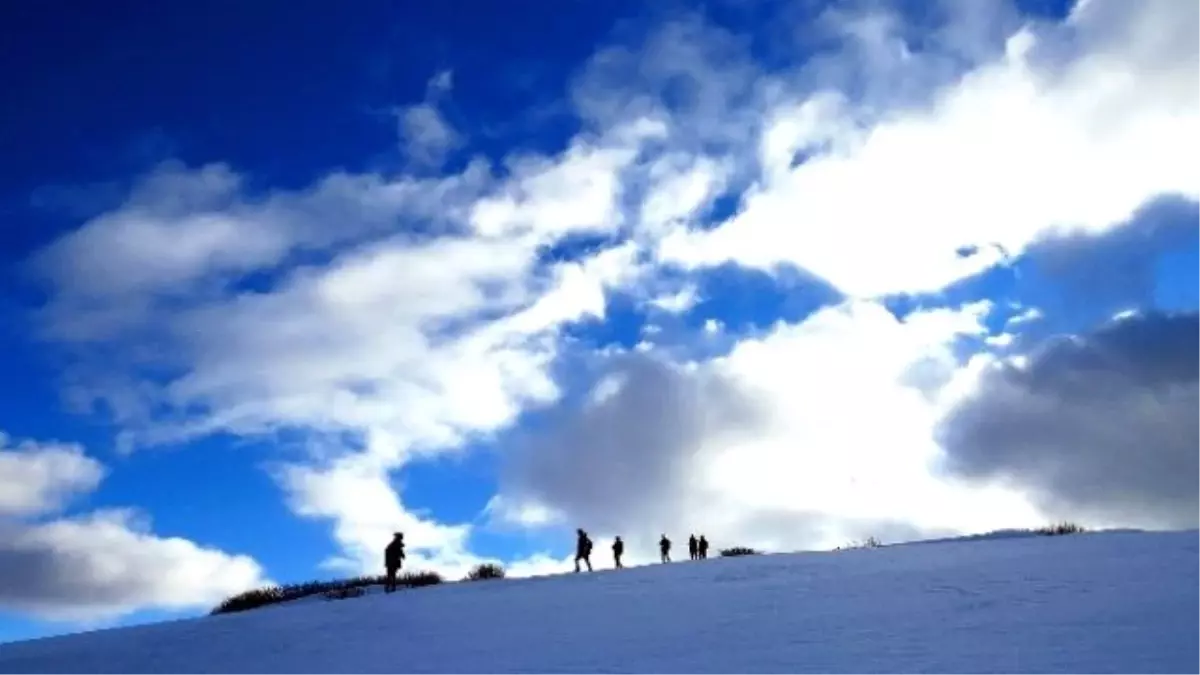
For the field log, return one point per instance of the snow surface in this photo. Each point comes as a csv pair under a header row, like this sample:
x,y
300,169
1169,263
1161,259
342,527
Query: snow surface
x,y
1110,602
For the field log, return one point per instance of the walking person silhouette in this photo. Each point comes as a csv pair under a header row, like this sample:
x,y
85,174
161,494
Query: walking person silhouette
x,y
393,558
664,547
583,549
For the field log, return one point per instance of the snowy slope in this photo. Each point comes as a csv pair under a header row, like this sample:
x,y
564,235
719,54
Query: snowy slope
x,y
1123,602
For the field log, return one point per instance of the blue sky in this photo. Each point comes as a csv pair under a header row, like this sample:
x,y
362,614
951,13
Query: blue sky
x,y
279,281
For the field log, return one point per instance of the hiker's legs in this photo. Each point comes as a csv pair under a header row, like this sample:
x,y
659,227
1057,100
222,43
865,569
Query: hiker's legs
x,y
588,560
390,585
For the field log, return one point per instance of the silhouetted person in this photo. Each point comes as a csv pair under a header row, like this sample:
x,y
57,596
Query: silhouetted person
x,y
618,551
702,548
393,558
664,547
692,547
583,549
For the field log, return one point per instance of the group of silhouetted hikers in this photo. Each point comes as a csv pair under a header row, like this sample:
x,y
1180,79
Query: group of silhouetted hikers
x,y
697,549
393,555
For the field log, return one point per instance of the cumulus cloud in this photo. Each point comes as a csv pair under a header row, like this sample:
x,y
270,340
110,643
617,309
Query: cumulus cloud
x,y
1102,427
815,434
627,456
37,478
1075,125
100,564
106,564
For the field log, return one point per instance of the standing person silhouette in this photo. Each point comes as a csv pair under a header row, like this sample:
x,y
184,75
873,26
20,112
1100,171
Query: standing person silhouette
x,y
618,550
664,547
583,549
702,548
692,547
393,558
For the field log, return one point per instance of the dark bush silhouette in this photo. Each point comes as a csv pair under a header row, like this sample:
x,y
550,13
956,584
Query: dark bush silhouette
x,y
271,595
259,597
418,579
869,542
1060,529
486,571
737,551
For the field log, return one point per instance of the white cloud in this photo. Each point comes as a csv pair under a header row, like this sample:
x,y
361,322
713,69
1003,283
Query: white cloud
x,y
855,396
101,564
575,192
812,435
185,232
540,565
427,134
106,564
679,187
1025,316
37,478
504,511
356,494
440,84
678,302
1074,126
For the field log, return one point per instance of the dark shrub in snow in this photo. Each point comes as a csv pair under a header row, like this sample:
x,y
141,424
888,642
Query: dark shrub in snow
x,y
1060,528
869,542
737,550
261,597
486,571
418,579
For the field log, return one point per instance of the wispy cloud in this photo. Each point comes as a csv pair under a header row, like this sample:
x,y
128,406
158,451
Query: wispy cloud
x,y
428,136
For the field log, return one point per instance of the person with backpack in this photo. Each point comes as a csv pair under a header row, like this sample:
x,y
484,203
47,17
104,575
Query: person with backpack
x,y
393,559
583,549
702,548
618,549
664,547
692,548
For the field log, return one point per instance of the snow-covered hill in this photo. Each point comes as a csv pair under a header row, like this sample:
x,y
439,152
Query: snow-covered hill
x,y
1113,602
